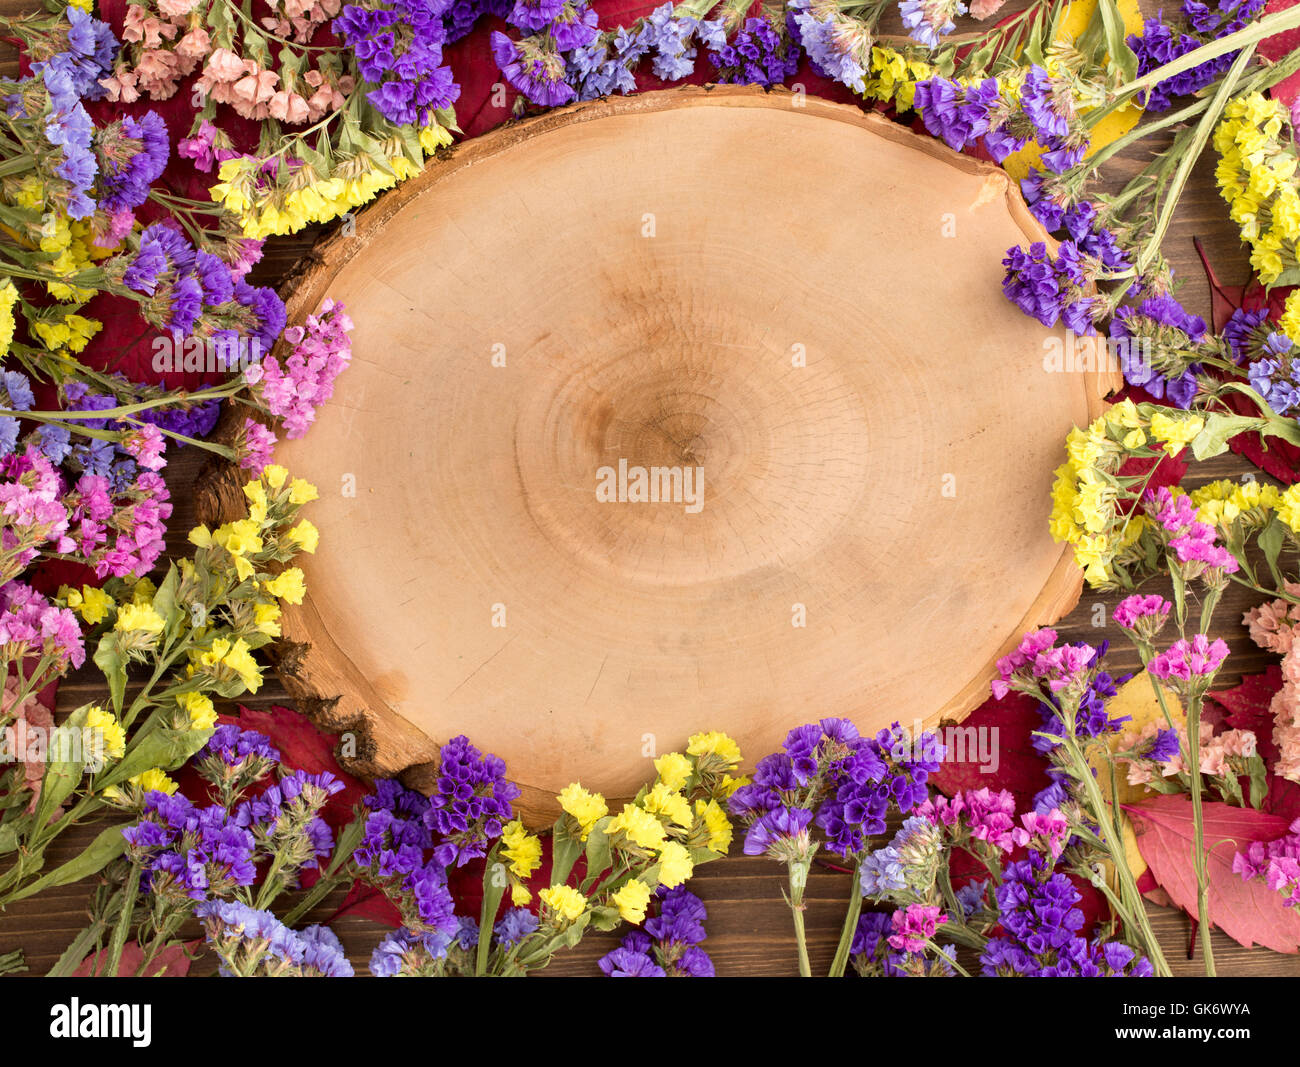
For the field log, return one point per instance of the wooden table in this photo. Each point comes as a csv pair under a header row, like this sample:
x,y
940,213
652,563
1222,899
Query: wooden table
x,y
750,932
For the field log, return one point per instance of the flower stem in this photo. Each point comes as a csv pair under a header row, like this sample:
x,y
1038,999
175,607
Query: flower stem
x,y
841,961
798,880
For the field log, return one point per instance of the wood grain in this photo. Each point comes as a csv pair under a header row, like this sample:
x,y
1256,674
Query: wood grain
x,y
749,925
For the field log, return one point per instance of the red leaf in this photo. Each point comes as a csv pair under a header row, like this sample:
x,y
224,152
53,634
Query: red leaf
x,y
1168,470
1248,912
1248,707
172,962
1020,768
1224,299
1280,45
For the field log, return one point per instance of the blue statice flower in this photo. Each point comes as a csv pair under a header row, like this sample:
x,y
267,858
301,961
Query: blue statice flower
x,y
671,40
251,942
927,21
70,130
515,925
16,395
408,953
838,47
758,55
91,52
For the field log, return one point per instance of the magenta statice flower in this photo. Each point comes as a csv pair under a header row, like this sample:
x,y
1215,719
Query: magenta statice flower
x,y
470,804
1193,541
914,926
253,446
30,626
294,390
1184,660
1142,614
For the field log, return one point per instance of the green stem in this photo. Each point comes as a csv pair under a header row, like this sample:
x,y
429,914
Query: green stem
x,y
799,879
841,961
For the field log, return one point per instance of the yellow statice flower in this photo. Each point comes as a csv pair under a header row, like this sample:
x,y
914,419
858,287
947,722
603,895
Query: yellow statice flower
x,y
587,808
716,824
198,706
1174,433
639,826
266,618
675,865
139,617
153,780
1222,503
1288,507
288,585
234,657
72,332
714,743
631,901
1256,175
8,298
104,726
92,604
274,475
1289,323
522,849
663,801
255,491
673,769
565,901
305,536
302,491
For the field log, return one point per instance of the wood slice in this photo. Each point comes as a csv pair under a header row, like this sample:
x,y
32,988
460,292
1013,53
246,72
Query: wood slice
x,y
799,299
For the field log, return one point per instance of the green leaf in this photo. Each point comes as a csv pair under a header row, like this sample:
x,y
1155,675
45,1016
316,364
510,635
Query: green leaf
x,y
102,851
565,850
1219,428
164,600
1122,57
1271,539
604,917
599,857
1258,781
62,775
166,748
110,659
494,889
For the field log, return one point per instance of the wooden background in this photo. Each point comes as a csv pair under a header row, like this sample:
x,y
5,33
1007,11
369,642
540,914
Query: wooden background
x,y
749,923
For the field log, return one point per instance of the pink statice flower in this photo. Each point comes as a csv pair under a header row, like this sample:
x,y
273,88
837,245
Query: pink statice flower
x,y
1185,660
1192,541
146,445
320,351
914,926
32,627
254,445
1143,615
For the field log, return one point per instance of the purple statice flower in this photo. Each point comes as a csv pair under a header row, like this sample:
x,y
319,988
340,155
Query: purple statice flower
x,y
870,950
470,803
1161,43
604,67
1158,347
927,21
838,47
1051,115
189,851
960,114
398,49
515,925
286,818
779,833
757,55
670,944
1044,287
132,153
234,759
631,959
534,15
574,27
534,67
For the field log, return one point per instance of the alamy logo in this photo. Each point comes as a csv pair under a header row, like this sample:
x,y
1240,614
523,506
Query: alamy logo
x,y
651,485
74,1019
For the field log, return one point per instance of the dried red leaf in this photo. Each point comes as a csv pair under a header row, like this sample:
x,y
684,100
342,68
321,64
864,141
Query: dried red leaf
x,y
172,962
1020,768
1248,912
